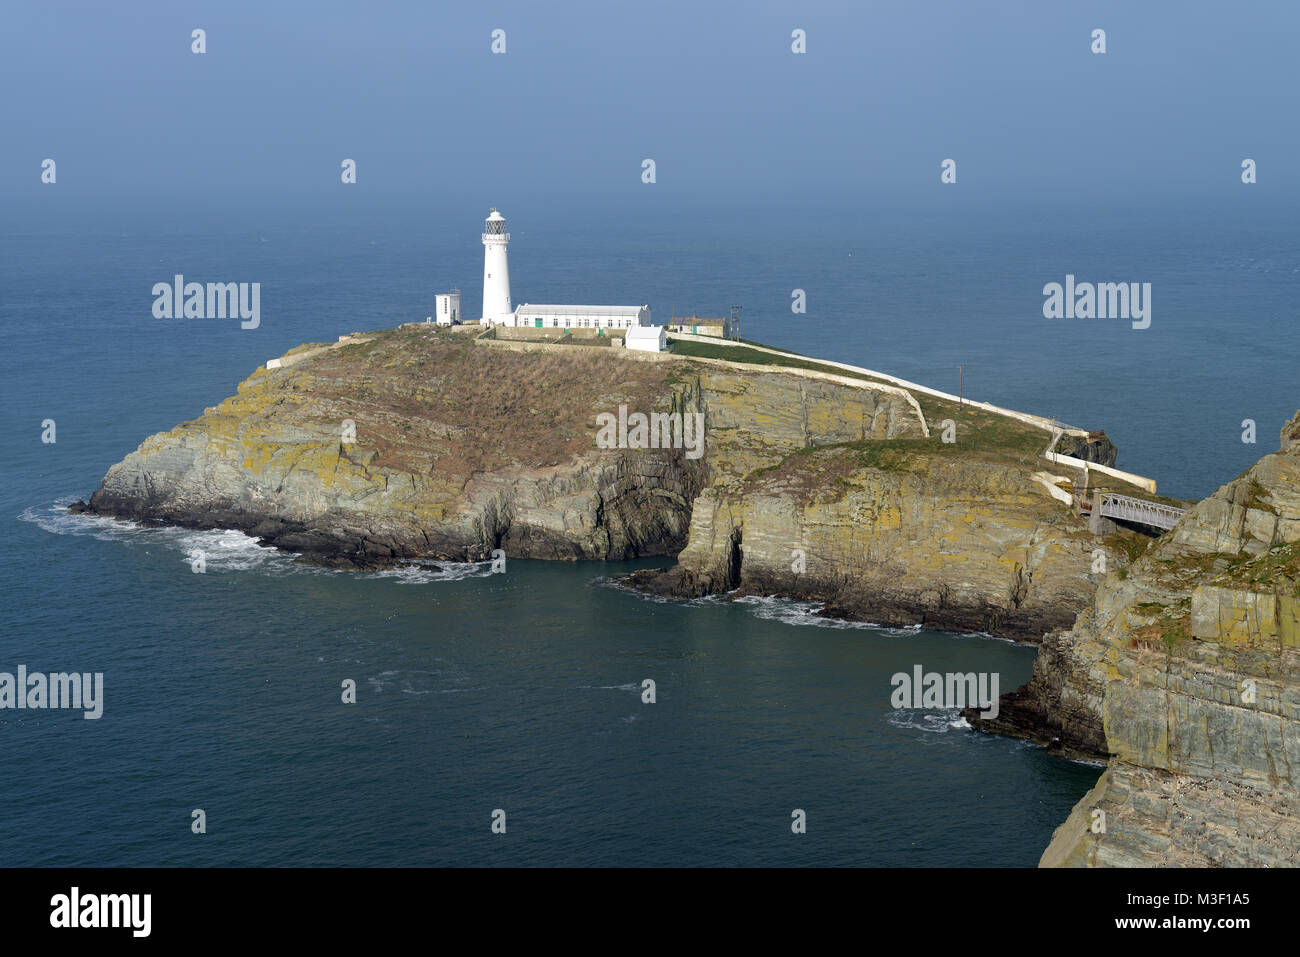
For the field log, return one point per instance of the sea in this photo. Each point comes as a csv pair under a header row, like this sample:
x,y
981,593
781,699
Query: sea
x,y
502,719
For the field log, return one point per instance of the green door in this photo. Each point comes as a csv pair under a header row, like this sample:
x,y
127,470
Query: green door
x,y
537,323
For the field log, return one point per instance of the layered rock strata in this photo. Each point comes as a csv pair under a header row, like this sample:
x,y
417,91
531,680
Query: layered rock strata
x,y
418,444
1184,673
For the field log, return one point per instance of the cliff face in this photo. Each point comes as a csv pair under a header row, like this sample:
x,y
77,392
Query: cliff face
x,y
416,444
409,445
896,533
423,444
1185,671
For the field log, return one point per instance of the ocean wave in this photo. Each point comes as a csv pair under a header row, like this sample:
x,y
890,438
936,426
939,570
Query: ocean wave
x,y
54,517
1087,762
932,721
413,574
984,635
628,589
223,549
418,682
793,611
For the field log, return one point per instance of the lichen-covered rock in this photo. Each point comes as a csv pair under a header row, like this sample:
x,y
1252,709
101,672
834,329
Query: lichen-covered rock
x,y
417,444
1093,447
909,535
1291,433
1185,673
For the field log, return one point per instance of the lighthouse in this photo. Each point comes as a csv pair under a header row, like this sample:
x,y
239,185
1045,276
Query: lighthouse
x,y
496,272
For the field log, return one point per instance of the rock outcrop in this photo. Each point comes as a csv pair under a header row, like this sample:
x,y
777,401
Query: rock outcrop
x,y
418,444
1185,673
1093,447
896,533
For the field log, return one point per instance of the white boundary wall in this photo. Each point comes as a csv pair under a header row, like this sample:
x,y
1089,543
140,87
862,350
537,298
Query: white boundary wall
x,y
1038,420
523,346
1139,480
1055,428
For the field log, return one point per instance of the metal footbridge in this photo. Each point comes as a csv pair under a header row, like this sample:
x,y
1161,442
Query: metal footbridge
x,y
1128,509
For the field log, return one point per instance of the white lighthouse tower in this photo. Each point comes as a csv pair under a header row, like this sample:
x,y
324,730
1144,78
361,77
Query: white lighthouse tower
x,y
496,272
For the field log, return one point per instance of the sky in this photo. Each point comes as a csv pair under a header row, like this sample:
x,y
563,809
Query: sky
x,y
712,92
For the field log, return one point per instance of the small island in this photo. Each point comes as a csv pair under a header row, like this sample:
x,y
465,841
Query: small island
x,y
883,500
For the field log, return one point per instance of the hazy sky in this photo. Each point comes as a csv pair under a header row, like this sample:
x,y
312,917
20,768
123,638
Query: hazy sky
x,y
710,91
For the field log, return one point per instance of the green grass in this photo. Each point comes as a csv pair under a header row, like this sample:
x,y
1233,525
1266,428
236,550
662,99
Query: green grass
x,y
1276,569
976,429
1258,493
1132,544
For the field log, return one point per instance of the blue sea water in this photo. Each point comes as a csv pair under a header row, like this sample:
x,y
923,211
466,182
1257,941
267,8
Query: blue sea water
x,y
522,691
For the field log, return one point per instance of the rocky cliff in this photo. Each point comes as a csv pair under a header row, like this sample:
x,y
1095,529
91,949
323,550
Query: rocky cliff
x,y
417,443
1185,673
897,533
412,443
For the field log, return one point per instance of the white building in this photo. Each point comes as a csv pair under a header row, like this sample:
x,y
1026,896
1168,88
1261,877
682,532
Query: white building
x,y
647,338
496,271
581,317
446,309
496,295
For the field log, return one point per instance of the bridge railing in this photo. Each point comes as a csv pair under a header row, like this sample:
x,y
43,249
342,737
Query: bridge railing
x,y
1138,510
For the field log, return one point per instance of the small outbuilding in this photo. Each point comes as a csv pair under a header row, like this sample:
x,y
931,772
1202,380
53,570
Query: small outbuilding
x,y
647,338
447,308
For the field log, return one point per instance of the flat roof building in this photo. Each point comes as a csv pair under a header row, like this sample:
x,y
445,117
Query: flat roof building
x,y
581,317
647,338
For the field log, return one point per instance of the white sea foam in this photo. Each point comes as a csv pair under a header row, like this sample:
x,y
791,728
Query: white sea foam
x,y
985,634
418,682
55,518
644,596
791,611
936,721
450,572
224,549
1089,762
